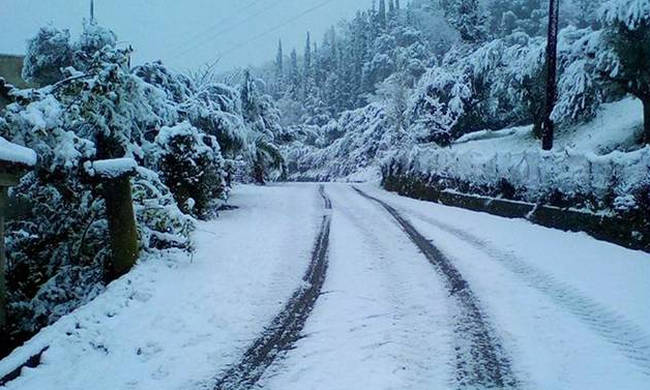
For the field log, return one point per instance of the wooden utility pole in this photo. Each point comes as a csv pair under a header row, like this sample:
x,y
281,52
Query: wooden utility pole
x,y
551,74
92,10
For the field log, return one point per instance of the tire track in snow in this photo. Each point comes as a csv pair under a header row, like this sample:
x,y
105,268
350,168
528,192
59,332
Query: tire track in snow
x,y
627,337
480,359
285,328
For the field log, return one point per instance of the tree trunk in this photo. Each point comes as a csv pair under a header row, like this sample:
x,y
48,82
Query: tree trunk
x,y
646,121
551,74
122,227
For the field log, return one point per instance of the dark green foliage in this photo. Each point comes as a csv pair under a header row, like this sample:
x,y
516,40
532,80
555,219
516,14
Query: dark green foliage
x,y
191,166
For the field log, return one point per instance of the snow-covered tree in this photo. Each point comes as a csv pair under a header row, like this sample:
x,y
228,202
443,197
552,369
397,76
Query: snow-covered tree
x,y
48,53
628,38
467,17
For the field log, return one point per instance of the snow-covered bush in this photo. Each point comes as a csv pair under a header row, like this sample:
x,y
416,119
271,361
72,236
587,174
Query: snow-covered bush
x,y
96,107
627,35
439,102
48,53
361,139
585,180
190,164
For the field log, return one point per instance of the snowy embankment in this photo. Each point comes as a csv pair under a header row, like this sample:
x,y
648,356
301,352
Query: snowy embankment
x,y
175,322
596,160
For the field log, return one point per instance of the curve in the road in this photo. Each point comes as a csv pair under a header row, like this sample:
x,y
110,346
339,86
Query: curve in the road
x,y
629,338
285,328
480,359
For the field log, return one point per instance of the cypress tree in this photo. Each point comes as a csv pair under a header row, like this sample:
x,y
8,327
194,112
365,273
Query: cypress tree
x,y
279,62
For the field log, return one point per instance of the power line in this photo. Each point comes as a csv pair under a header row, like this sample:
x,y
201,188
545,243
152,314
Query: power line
x,y
243,44
220,22
226,29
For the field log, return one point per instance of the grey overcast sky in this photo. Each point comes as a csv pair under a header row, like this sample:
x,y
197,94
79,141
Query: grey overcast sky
x,y
184,33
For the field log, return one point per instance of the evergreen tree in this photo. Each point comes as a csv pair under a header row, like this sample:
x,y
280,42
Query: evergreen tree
x,y
47,53
382,13
626,63
294,72
307,58
467,18
279,63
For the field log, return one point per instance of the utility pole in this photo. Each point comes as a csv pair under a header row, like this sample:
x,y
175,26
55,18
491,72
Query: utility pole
x,y
551,74
92,10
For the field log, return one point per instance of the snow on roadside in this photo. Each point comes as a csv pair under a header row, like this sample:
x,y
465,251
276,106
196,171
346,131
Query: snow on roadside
x,y
175,322
596,159
578,294
617,126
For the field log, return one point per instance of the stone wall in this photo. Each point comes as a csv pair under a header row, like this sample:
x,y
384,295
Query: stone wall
x,y
630,233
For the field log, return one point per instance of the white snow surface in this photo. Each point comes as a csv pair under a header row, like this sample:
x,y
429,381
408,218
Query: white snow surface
x,y
564,305
113,168
10,152
176,322
383,322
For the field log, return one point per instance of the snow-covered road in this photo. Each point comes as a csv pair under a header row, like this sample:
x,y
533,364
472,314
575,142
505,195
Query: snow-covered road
x,y
547,309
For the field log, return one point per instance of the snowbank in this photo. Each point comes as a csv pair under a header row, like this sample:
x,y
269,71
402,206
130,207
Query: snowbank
x,y
12,153
596,159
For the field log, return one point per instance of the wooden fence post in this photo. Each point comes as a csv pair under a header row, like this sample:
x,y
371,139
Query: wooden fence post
x,y
114,175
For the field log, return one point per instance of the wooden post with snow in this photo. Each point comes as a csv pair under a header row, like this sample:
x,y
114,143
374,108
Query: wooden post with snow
x,y
114,175
15,161
551,74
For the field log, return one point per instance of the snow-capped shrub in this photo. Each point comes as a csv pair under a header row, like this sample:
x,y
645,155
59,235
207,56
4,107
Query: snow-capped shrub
x,y
47,53
58,238
161,223
94,38
363,138
216,109
57,245
574,177
439,102
191,166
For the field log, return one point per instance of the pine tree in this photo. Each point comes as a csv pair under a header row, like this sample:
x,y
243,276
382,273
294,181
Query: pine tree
x,y
307,58
467,18
294,72
586,13
382,13
626,63
279,63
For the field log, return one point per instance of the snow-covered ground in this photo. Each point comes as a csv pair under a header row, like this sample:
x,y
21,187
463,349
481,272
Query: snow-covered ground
x,y
598,159
617,126
570,312
176,323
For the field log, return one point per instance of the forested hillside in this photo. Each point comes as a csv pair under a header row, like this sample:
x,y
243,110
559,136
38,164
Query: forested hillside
x,y
430,72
